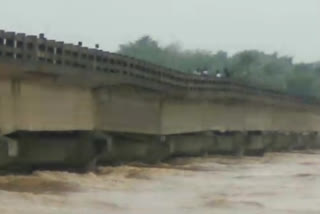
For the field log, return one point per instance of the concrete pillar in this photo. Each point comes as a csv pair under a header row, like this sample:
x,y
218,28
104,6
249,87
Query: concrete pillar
x,y
56,150
1,37
281,142
257,143
51,52
231,143
20,46
240,143
317,141
268,139
9,46
84,62
303,140
92,58
59,53
71,55
1,43
99,60
171,148
102,145
160,149
42,50
31,48
9,151
297,141
311,141
131,147
191,144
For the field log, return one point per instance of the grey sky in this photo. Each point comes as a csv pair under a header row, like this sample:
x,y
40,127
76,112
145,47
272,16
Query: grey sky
x,y
291,27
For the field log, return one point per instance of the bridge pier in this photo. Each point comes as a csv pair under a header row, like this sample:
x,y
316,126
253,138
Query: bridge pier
x,y
256,143
285,141
280,142
82,151
9,150
141,148
313,141
53,150
102,144
317,141
230,143
191,144
225,145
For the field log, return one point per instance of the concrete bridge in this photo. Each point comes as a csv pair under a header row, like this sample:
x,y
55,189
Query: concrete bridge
x,y
67,105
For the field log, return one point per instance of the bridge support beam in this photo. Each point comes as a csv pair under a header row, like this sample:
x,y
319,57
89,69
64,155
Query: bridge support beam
x,y
312,141
280,142
317,141
9,150
102,144
230,143
141,148
191,144
256,143
54,150
84,150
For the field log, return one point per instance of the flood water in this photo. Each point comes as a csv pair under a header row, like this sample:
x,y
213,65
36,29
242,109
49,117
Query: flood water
x,y
276,183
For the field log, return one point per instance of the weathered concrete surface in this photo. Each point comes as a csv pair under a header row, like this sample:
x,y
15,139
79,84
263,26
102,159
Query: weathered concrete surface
x,y
48,150
126,109
191,144
40,105
8,151
195,115
43,105
130,148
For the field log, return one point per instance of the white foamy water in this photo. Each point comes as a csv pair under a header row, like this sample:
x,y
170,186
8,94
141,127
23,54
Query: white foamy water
x,y
276,183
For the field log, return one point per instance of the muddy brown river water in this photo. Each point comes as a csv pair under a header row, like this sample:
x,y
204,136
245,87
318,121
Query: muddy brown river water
x,y
276,183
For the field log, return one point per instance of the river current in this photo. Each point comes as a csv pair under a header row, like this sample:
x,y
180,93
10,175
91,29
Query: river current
x,y
276,183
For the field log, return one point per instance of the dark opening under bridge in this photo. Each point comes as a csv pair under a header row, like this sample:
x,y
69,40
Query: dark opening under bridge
x,y
68,105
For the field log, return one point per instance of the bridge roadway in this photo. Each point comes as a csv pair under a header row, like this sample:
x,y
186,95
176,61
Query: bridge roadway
x,y
68,105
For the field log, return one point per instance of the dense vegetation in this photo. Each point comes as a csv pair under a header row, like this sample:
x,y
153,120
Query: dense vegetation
x,y
267,70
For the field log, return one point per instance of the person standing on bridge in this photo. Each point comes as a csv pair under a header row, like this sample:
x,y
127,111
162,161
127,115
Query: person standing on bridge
x,y
218,74
204,73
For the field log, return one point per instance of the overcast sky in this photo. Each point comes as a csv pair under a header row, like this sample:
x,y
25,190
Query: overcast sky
x,y
290,27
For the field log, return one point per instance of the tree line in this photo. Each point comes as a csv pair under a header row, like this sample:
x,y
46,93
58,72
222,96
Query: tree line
x,y
255,67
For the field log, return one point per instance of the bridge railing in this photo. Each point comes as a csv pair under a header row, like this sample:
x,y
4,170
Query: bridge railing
x,y
39,50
